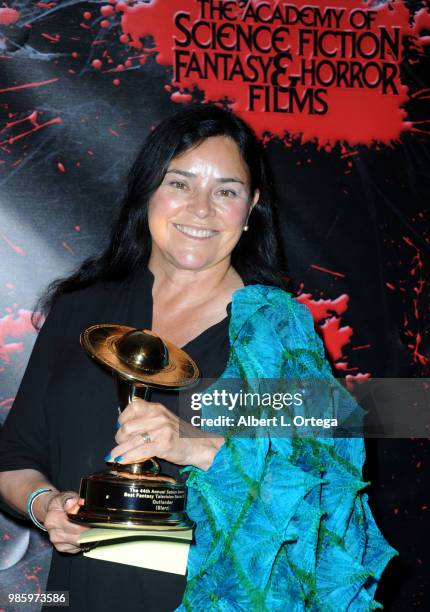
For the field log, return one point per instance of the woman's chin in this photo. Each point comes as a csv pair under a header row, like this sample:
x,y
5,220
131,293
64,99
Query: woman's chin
x,y
193,262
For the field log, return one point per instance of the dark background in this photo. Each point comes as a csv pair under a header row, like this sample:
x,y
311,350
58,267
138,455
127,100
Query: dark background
x,y
355,223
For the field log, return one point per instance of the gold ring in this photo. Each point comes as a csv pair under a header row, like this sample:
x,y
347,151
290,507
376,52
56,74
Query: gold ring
x,y
146,437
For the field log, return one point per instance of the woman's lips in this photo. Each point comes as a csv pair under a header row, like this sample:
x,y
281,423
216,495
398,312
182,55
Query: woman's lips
x,y
193,232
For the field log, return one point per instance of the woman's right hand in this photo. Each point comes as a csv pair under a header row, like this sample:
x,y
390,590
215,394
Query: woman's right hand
x,y
62,532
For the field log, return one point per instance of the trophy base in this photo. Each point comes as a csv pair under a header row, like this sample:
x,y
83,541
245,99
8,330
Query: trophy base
x,y
117,519
115,500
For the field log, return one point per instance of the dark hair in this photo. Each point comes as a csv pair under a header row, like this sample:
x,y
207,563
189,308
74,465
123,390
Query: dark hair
x,y
257,257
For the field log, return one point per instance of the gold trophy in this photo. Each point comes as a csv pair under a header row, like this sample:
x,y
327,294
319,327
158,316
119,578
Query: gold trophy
x,y
136,495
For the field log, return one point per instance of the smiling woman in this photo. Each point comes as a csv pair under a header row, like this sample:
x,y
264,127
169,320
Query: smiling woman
x,y
195,256
196,217
198,213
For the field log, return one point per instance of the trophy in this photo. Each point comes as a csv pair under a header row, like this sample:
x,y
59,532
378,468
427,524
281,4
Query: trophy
x,y
136,495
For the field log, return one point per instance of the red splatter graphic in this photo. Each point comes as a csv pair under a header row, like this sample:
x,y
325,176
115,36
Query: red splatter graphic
x,y
35,578
329,311
352,379
26,85
327,315
302,80
68,248
52,39
14,326
107,10
177,96
31,119
332,272
8,16
412,327
17,249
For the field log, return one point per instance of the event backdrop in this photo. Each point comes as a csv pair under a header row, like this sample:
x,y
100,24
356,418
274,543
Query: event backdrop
x,y
338,92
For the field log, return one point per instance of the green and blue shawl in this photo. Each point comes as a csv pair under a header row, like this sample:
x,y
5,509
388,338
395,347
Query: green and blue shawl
x,y
282,523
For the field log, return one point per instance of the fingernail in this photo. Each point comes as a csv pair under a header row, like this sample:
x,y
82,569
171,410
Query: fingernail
x,y
118,425
108,457
118,459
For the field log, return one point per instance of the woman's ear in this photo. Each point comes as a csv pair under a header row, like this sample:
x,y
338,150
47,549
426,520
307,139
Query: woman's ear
x,y
255,199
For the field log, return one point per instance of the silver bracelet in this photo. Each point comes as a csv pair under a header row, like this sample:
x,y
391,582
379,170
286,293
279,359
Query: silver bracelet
x,y
32,497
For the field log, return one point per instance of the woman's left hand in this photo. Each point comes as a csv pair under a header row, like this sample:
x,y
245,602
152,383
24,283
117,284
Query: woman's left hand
x,y
149,429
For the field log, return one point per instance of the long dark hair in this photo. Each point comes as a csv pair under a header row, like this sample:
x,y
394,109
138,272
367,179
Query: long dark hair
x,y
258,256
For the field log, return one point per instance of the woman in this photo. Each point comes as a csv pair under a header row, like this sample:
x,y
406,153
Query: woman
x,y
194,256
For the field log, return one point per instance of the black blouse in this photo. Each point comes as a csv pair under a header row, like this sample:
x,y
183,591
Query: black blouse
x,y
63,420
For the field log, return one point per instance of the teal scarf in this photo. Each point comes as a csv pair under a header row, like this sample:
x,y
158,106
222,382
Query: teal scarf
x,y
282,523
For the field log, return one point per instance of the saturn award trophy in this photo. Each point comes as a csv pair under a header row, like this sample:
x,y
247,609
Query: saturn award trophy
x,y
136,495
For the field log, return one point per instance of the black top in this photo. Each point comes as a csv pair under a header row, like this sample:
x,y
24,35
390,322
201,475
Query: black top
x,y
63,420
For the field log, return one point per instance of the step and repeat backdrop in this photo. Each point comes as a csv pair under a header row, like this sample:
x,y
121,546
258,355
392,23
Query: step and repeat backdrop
x,y
338,92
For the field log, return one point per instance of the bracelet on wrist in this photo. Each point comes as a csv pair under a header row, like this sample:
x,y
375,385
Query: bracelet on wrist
x,y
31,499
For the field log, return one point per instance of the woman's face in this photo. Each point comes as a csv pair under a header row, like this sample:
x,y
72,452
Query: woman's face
x,y
196,216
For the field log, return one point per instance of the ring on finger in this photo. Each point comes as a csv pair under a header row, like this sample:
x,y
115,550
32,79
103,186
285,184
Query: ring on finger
x,y
146,437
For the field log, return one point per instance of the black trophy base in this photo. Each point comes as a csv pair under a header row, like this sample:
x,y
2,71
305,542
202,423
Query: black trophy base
x,y
114,500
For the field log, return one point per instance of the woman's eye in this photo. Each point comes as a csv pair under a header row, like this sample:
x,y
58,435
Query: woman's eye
x,y
227,193
178,184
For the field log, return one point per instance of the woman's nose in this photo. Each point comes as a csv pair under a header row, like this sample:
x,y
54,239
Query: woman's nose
x,y
200,204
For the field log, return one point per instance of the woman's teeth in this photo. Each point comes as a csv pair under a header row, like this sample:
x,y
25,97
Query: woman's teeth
x,y
190,231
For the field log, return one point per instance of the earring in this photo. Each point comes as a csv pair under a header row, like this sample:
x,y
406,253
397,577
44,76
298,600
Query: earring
x,y
245,228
